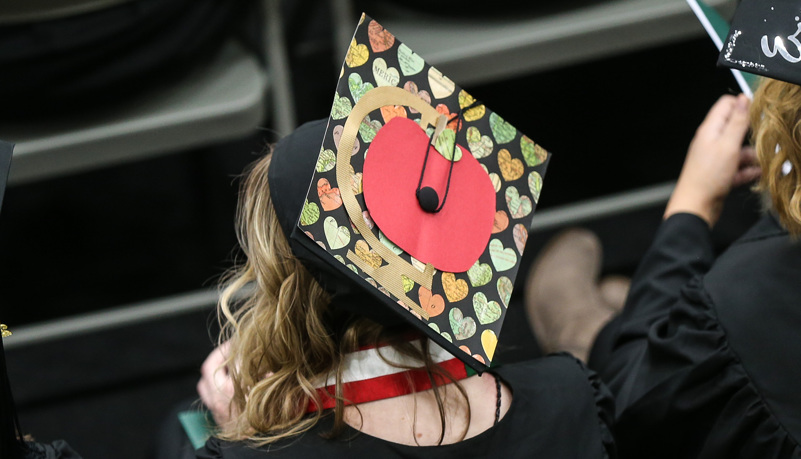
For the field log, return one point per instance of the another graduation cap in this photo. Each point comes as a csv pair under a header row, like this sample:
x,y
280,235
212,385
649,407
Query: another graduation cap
x,y
421,195
11,445
765,39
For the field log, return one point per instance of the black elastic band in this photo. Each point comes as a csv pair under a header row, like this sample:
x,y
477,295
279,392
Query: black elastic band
x,y
453,154
497,399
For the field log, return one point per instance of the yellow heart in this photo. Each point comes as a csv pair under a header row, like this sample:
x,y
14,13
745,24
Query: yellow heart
x,y
511,169
474,113
357,54
455,289
489,341
368,256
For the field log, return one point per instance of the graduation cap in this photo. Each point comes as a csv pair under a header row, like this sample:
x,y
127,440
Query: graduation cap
x,y
420,195
765,39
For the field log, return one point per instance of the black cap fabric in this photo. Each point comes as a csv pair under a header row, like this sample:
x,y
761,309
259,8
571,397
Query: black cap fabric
x,y
765,39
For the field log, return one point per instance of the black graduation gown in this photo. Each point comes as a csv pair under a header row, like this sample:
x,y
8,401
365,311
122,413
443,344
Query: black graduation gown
x,y
707,358
559,410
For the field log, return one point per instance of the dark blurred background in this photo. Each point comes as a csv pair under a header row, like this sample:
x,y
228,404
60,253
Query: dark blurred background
x,y
162,226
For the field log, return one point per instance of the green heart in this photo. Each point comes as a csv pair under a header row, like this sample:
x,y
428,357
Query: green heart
x,y
342,107
391,245
496,181
445,145
410,62
480,145
505,288
487,312
463,327
479,274
503,259
357,87
350,266
385,75
535,185
326,161
501,130
337,236
519,206
445,335
310,213
368,129
408,284
532,153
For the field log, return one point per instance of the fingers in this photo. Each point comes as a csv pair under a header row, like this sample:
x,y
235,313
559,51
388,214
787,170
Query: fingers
x,y
748,169
716,118
737,123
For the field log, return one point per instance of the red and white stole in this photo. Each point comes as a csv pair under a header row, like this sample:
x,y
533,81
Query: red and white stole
x,y
368,377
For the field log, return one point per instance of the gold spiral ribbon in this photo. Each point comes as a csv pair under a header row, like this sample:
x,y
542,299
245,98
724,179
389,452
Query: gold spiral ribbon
x,y
4,332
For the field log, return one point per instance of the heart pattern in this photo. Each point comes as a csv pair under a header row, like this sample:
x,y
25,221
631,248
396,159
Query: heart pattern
x,y
501,130
479,274
473,114
368,219
520,235
489,341
502,258
337,134
326,161
341,108
408,284
445,335
310,213
500,223
532,153
385,76
391,111
511,169
357,87
337,236
519,206
410,63
380,38
480,145
441,86
486,311
357,54
329,197
369,128
505,288
496,181
355,181
367,255
434,305
445,145
411,86
455,289
462,327
390,245
535,185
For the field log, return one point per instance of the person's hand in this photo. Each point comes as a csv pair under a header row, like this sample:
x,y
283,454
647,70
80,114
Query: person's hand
x,y
216,388
716,161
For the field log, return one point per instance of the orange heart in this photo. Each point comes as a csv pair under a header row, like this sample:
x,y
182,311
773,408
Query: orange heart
x,y
443,109
501,222
392,111
368,256
434,305
380,38
465,349
329,197
455,289
511,169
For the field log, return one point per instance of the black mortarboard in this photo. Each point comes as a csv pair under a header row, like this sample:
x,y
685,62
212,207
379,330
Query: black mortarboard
x,y
412,202
765,39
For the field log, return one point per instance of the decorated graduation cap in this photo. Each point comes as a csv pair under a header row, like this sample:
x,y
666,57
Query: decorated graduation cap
x,y
420,195
765,39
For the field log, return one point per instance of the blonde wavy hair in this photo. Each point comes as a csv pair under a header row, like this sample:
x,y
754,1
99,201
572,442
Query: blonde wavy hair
x,y
274,314
776,123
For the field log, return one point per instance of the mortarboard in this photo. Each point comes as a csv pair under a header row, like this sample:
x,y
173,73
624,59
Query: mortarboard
x,y
419,195
765,39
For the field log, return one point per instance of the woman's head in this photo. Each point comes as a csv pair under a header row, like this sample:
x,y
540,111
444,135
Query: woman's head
x,y
284,335
776,123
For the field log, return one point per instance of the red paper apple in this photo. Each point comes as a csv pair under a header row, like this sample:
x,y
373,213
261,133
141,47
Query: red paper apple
x,y
451,239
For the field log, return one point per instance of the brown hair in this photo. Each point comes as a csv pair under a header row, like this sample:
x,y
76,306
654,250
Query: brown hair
x,y
274,314
776,123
